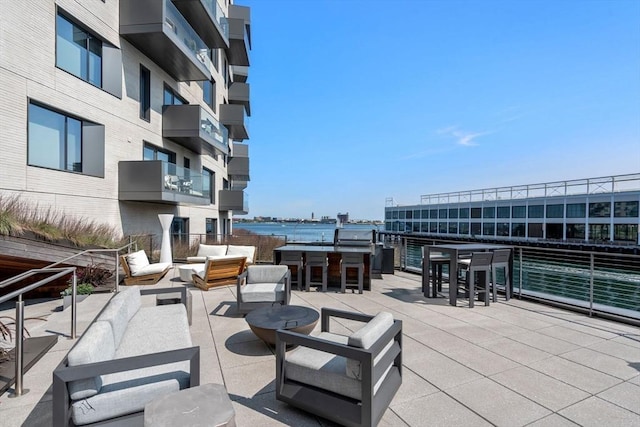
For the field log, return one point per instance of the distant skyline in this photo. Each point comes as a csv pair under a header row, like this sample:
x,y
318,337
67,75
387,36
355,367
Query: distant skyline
x,y
355,101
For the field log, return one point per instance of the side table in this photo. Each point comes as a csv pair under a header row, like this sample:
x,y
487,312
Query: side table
x,y
201,406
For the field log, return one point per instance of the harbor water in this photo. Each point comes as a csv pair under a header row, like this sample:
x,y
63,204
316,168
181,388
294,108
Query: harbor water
x,y
301,231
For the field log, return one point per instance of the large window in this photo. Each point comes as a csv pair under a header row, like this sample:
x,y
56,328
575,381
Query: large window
x,y
78,52
489,212
59,141
576,231
625,232
442,213
534,230
555,211
503,212
209,184
600,210
453,213
519,212
151,152
145,93
576,210
209,93
464,212
599,232
518,229
625,210
502,228
476,212
171,97
536,211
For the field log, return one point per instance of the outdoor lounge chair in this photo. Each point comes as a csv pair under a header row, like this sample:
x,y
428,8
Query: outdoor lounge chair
x,y
218,271
350,380
263,285
138,270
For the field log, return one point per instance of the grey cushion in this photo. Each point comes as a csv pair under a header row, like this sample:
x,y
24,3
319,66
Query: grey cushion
x,y
95,345
262,292
365,337
266,273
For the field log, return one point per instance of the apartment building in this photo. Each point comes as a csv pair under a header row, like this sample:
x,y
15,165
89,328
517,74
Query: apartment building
x,y
595,210
119,110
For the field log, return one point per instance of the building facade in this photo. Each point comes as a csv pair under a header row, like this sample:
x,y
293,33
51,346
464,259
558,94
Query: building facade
x,y
595,210
117,111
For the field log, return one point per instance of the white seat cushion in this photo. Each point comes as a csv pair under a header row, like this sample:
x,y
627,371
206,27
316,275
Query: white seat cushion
x,y
211,250
158,267
245,251
137,261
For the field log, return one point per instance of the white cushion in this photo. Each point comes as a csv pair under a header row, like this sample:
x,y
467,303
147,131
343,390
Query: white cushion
x,y
245,251
137,261
211,250
158,267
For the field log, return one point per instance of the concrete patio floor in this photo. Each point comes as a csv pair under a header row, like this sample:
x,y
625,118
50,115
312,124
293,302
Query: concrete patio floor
x,y
513,363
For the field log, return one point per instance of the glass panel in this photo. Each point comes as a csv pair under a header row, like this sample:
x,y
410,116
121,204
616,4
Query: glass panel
x,y
409,215
74,145
71,48
488,229
576,231
148,153
626,210
503,228
625,232
182,180
517,229
503,212
519,212
536,211
442,227
489,212
576,210
425,214
206,183
433,227
453,213
167,97
453,228
535,230
95,62
442,213
416,214
46,137
214,130
554,231
433,213
464,212
600,210
463,228
599,232
403,214
555,211
186,35
476,228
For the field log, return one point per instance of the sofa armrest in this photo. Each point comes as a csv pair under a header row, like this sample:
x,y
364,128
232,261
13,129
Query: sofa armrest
x,y
287,287
151,291
63,374
327,313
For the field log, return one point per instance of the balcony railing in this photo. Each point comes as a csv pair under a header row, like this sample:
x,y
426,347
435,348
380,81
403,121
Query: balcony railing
x,y
239,35
238,167
159,31
239,94
207,19
234,117
234,200
194,128
157,181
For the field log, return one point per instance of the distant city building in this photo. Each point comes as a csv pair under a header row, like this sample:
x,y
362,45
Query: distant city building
x,y
343,218
121,110
595,210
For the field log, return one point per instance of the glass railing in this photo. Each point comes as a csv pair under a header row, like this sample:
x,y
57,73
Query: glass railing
x,y
214,129
216,11
185,34
182,180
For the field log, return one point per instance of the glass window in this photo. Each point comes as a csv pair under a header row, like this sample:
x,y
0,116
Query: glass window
x,y
211,227
396,214
403,214
489,212
171,97
576,231
453,228
576,210
424,227
387,215
555,211
554,231
209,93
442,213
433,227
55,140
442,227
536,211
453,213
517,229
476,212
502,229
409,215
416,214
599,232
151,152
213,54
503,212
488,229
208,185
463,228
464,212
433,213
535,229
416,227
476,228
519,212
78,52
625,210
625,232
425,214
600,210
145,93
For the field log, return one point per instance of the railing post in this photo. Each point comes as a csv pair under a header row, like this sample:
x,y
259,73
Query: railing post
x,y
591,272
117,265
520,274
18,389
74,285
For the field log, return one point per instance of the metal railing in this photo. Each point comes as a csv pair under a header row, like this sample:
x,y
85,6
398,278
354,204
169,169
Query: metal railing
x,y
55,274
595,282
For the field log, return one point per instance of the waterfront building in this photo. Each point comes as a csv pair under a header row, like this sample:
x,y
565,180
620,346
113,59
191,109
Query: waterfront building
x,y
599,211
117,111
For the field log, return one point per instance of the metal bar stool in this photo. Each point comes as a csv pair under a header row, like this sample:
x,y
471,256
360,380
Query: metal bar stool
x,y
293,259
352,260
501,260
480,262
316,260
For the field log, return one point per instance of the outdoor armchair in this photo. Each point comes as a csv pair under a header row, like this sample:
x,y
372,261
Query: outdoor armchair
x,y
263,285
138,270
218,271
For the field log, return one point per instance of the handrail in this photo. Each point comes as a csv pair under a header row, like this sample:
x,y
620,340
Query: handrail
x,y
59,273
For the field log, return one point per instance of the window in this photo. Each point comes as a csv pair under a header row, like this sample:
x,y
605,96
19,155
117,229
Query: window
x,y
425,214
211,228
171,97
209,185
78,52
433,213
424,227
209,93
625,210
416,227
554,231
476,212
476,229
442,227
433,227
213,54
536,211
535,229
416,214
225,72
180,230
387,215
442,213
464,212
503,212
463,228
576,231
453,228
151,152
409,215
489,212
576,210
59,141
403,214
625,232
599,210
519,212
599,232
502,229
555,211
453,213
145,93
488,229
395,214
517,229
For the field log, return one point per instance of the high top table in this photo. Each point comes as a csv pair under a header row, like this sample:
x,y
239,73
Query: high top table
x,y
452,252
334,253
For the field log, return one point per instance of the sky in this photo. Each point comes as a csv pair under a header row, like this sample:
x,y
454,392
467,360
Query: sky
x,y
355,102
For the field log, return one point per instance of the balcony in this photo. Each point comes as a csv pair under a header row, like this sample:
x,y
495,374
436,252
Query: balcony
x,y
233,116
160,182
238,167
158,30
233,200
194,128
239,94
207,19
239,73
239,35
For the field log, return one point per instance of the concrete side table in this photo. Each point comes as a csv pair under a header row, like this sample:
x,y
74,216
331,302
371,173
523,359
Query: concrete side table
x,y
205,405
185,271
176,298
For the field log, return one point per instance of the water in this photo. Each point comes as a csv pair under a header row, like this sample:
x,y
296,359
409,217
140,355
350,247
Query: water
x,y
301,232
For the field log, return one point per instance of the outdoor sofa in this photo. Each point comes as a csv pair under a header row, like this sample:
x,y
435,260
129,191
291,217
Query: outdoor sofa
x,y
127,357
205,251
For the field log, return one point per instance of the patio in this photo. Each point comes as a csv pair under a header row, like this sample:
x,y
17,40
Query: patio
x,y
512,363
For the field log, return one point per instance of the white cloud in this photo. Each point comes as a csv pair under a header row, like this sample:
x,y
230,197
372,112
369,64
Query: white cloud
x,y
462,137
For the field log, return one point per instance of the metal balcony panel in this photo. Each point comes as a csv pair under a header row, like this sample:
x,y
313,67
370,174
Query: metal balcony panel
x,y
233,200
153,181
239,94
238,52
239,73
233,117
157,29
194,128
206,18
238,168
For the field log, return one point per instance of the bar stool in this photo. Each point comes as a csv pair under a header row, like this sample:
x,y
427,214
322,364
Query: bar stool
x,y
316,260
480,262
501,260
293,259
352,260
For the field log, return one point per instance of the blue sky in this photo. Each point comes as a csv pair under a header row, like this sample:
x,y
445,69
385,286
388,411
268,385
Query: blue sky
x,y
355,101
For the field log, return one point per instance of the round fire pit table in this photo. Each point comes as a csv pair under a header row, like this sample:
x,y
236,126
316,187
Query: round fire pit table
x,y
265,321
